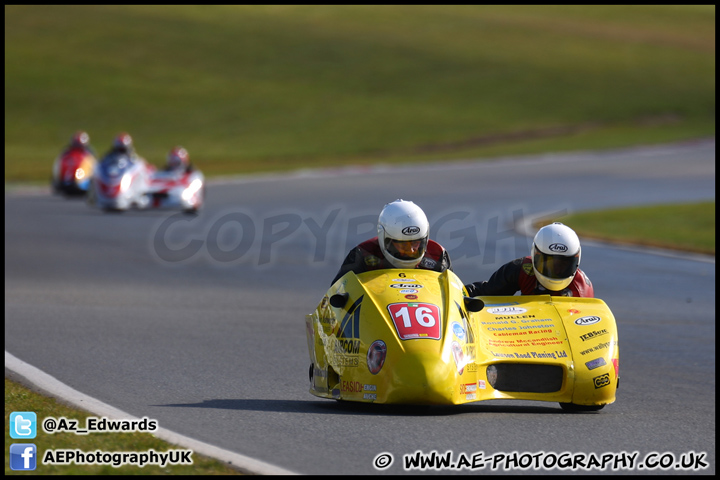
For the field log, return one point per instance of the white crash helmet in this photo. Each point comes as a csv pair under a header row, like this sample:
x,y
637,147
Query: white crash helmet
x,y
403,231
555,256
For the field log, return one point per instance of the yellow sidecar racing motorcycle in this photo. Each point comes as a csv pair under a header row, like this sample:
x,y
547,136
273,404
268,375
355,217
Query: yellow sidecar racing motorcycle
x,y
413,337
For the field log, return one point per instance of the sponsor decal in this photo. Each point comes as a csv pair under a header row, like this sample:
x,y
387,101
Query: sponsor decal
x,y
376,356
458,330
411,297
348,386
602,380
470,396
459,357
428,262
370,388
589,320
497,322
343,348
558,247
409,290
416,320
343,360
406,285
543,325
370,396
350,325
572,311
469,354
593,334
528,269
532,355
616,364
599,347
372,261
593,364
482,385
403,280
518,317
467,388
466,324
411,230
511,333
506,310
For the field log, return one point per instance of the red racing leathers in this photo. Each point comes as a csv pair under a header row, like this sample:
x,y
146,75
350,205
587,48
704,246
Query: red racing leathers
x,y
368,256
518,275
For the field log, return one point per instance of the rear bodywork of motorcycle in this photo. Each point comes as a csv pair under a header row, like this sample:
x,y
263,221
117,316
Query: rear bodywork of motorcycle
x,y
73,172
413,337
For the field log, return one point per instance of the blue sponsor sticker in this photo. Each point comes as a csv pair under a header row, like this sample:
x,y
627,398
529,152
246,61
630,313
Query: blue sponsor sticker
x,y
458,330
598,362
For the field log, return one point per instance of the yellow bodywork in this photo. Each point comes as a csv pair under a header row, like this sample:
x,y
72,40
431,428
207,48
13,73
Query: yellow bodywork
x,y
87,166
436,352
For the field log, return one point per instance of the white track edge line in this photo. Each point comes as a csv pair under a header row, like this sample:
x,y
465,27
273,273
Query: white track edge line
x,y
54,387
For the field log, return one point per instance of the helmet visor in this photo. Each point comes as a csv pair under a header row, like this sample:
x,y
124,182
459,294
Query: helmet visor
x,y
406,249
555,266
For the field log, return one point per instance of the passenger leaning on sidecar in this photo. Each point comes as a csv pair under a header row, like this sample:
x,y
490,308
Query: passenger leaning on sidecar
x,y
178,161
402,242
551,269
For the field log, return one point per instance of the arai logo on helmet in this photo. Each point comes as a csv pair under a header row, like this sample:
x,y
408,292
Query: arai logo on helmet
x,y
558,247
411,230
587,320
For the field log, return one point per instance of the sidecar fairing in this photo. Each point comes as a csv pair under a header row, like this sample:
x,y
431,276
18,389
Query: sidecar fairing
x,y
120,183
180,190
413,337
72,172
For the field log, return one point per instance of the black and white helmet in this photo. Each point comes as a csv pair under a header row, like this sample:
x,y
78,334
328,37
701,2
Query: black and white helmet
x,y
403,231
555,256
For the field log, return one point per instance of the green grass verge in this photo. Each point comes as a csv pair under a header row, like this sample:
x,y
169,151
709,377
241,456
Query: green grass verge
x,y
277,87
687,227
21,399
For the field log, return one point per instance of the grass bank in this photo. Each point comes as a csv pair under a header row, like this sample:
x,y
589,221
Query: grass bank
x,y
272,87
684,227
21,399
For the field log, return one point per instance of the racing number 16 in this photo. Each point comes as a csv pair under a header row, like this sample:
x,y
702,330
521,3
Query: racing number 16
x,y
416,320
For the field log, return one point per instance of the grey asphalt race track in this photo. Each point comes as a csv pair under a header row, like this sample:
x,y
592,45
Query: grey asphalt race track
x,y
198,322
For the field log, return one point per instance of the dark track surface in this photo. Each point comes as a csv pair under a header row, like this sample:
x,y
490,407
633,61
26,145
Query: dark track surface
x,y
211,343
